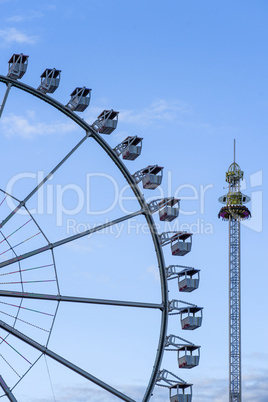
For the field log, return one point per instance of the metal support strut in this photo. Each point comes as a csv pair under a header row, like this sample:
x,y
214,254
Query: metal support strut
x,y
5,99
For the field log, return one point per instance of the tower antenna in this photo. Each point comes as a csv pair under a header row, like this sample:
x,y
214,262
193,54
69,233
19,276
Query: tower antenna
x,y
234,150
234,211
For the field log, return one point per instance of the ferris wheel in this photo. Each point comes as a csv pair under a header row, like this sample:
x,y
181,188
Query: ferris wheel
x,y
30,287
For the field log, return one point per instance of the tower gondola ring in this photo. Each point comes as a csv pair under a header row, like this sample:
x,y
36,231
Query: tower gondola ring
x,y
235,212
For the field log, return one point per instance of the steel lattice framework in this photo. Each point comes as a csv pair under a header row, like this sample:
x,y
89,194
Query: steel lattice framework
x,y
234,211
234,310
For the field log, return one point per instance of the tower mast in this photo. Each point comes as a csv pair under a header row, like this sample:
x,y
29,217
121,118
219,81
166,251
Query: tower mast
x,y
234,211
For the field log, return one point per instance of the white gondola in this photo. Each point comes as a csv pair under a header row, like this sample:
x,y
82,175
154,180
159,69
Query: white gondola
x,y
50,80
80,99
178,244
169,212
107,121
180,392
189,319
17,66
152,177
188,280
132,148
188,356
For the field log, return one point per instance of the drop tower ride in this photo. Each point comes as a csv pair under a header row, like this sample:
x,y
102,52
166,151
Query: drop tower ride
x,y
234,211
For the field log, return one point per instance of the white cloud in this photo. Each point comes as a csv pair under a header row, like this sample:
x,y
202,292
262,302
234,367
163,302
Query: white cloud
x,y
163,111
10,35
29,17
159,110
27,127
85,394
254,388
204,390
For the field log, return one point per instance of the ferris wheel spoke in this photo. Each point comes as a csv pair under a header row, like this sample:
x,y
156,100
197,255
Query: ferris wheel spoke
x,y
7,391
9,85
69,239
63,361
74,299
22,203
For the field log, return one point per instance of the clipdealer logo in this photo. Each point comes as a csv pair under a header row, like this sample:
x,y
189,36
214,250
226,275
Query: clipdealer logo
x,y
54,199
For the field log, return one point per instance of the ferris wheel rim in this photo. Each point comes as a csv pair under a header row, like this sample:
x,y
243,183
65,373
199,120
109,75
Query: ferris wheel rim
x,y
145,211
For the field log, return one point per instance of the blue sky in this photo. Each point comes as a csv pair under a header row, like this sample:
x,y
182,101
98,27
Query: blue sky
x,y
188,77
